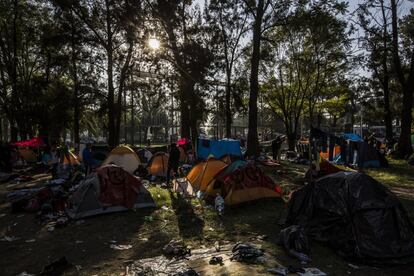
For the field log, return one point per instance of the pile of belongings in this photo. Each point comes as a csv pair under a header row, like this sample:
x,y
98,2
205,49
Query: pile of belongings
x,y
360,218
246,253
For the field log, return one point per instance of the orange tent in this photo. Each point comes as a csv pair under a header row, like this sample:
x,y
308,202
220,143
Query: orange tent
x,y
158,165
204,172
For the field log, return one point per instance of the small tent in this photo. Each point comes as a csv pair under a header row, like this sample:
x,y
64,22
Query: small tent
x,y
144,155
218,148
72,160
356,215
110,189
158,164
246,183
123,156
204,172
214,186
28,155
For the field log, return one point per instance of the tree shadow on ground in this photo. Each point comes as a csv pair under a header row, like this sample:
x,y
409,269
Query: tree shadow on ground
x,y
190,225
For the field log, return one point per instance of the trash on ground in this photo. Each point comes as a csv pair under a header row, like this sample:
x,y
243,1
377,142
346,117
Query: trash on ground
x,y
312,271
29,241
216,260
120,246
246,253
176,248
24,273
353,266
9,238
219,204
278,271
160,265
149,218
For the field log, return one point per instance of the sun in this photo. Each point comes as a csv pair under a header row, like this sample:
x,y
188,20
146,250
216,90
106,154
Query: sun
x,y
154,43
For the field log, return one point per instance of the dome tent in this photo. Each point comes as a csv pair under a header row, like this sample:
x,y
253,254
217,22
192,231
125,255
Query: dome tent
x,y
110,189
123,156
158,164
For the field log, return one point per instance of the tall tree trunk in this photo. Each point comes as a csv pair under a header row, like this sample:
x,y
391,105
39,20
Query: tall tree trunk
x,y
112,141
132,120
386,79
13,123
185,103
76,103
404,143
228,106
252,137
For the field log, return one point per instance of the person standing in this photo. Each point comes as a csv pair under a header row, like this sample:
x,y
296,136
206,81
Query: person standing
x,y
173,161
87,158
276,147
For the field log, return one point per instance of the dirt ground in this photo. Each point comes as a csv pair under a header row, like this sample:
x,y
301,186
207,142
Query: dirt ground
x,y
86,243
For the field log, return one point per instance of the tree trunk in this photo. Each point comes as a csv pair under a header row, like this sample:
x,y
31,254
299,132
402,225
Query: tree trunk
x,y
386,79
404,143
76,107
252,137
132,120
112,141
228,108
13,126
185,108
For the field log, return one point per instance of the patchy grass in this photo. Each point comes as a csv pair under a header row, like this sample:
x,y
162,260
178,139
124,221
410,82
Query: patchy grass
x,y
398,174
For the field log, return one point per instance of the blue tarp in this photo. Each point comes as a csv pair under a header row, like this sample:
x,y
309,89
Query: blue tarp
x,y
218,148
353,137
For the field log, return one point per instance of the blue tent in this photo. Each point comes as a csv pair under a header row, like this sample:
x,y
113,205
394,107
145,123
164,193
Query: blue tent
x,y
353,137
218,148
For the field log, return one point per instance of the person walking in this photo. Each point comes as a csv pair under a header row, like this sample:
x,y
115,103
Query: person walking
x,y
173,161
276,147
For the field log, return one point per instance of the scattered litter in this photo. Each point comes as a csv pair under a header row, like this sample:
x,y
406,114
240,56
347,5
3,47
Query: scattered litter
x,y
246,253
51,229
312,271
121,246
3,215
160,265
217,246
353,266
295,269
24,273
278,271
143,239
177,248
219,204
29,241
165,208
216,260
78,267
149,218
261,260
78,242
9,238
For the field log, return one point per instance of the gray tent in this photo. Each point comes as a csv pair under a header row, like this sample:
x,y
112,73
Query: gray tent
x,y
94,198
